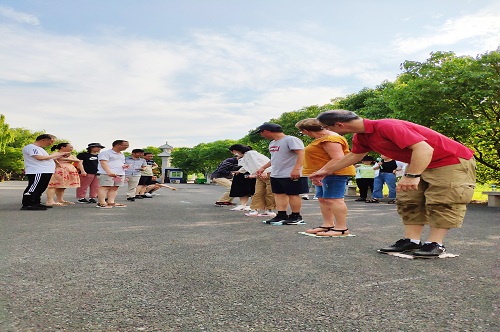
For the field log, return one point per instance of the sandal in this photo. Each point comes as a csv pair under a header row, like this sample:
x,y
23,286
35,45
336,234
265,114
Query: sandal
x,y
342,231
392,201
319,229
360,199
103,206
117,205
373,200
54,204
67,203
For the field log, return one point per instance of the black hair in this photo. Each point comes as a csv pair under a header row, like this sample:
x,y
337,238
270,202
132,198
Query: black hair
x,y
58,146
44,136
329,118
146,153
137,150
119,141
240,148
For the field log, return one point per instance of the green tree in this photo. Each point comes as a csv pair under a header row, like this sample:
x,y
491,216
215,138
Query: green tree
x,y
203,158
6,134
287,121
458,97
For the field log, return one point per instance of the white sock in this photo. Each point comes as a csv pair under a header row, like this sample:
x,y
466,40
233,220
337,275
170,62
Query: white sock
x,y
416,241
440,244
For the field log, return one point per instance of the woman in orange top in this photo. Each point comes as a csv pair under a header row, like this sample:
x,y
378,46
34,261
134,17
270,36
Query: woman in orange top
x,y
327,145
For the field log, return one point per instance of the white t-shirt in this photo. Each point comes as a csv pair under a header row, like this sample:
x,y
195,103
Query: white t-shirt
x,y
252,161
35,166
115,162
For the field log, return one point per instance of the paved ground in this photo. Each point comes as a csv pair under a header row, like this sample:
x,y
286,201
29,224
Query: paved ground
x,y
178,263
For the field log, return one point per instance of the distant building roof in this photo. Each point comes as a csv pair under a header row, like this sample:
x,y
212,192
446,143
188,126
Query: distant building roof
x,y
166,146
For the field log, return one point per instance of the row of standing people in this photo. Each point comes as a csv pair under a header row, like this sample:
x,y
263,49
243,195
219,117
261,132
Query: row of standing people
x,y
98,173
438,181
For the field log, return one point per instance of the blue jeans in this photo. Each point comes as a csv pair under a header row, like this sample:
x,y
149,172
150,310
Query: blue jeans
x,y
333,186
378,184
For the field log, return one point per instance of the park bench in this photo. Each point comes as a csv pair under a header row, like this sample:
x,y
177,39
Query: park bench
x,y
493,198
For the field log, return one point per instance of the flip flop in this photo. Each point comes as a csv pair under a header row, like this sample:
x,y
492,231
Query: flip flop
x,y
319,228
341,231
117,205
55,204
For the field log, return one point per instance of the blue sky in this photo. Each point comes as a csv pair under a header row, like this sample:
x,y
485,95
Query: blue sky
x,y
197,71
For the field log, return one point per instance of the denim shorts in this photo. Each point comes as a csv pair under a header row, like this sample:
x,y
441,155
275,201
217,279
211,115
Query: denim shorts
x,y
333,186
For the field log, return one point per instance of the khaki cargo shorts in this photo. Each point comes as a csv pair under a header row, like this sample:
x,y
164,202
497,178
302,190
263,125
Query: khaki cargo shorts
x,y
442,196
108,181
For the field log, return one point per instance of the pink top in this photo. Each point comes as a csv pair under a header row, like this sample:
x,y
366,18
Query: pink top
x,y
392,137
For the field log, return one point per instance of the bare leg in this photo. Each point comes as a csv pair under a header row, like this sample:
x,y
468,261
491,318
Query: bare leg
x,y
327,211
112,192
141,190
413,231
51,192
295,203
437,234
281,201
102,194
336,210
60,194
244,200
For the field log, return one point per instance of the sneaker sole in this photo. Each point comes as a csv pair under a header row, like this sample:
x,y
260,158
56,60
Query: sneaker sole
x,y
270,223
280,223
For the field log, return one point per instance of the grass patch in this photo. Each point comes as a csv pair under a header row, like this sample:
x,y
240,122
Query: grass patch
x,y
478,192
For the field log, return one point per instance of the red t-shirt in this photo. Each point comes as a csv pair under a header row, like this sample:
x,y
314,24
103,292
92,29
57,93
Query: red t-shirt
x,y
392,137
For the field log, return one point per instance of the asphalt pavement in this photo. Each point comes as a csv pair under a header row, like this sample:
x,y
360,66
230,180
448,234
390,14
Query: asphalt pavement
x,y
176,262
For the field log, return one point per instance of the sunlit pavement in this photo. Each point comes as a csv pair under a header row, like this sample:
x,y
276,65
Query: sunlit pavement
x,y
176,262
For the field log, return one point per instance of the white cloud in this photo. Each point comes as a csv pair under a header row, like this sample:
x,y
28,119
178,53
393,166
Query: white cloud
x,y
481,29
202,87
20,17
216,86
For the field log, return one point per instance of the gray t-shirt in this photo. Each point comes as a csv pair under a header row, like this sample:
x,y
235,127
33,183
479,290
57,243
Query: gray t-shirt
x,y
283,157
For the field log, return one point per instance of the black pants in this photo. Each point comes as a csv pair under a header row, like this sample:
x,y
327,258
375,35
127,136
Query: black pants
x,y
37,183
363,185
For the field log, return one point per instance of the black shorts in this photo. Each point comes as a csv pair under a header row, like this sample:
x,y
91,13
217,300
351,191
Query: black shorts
x,y
289,187
145,180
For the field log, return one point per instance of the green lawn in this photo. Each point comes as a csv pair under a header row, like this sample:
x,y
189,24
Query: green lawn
x,y
478,196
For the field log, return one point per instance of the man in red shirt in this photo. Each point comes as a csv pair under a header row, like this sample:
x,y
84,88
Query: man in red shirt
x,y
438,183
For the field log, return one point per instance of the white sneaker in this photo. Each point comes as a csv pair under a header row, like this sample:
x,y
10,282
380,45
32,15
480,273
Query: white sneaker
x,y
247,208
252,213
148,195
238,208
305,197
267,213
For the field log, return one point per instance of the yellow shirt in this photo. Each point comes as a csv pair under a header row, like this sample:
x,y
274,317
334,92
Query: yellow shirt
x,y
316,157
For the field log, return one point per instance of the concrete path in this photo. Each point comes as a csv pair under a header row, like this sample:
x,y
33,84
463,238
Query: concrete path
x,y
178,263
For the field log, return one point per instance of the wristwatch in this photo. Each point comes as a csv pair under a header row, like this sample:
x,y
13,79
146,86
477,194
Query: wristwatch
x,y
408,175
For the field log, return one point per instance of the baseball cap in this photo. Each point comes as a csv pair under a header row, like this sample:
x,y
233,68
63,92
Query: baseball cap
x,y
93,145
273,127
